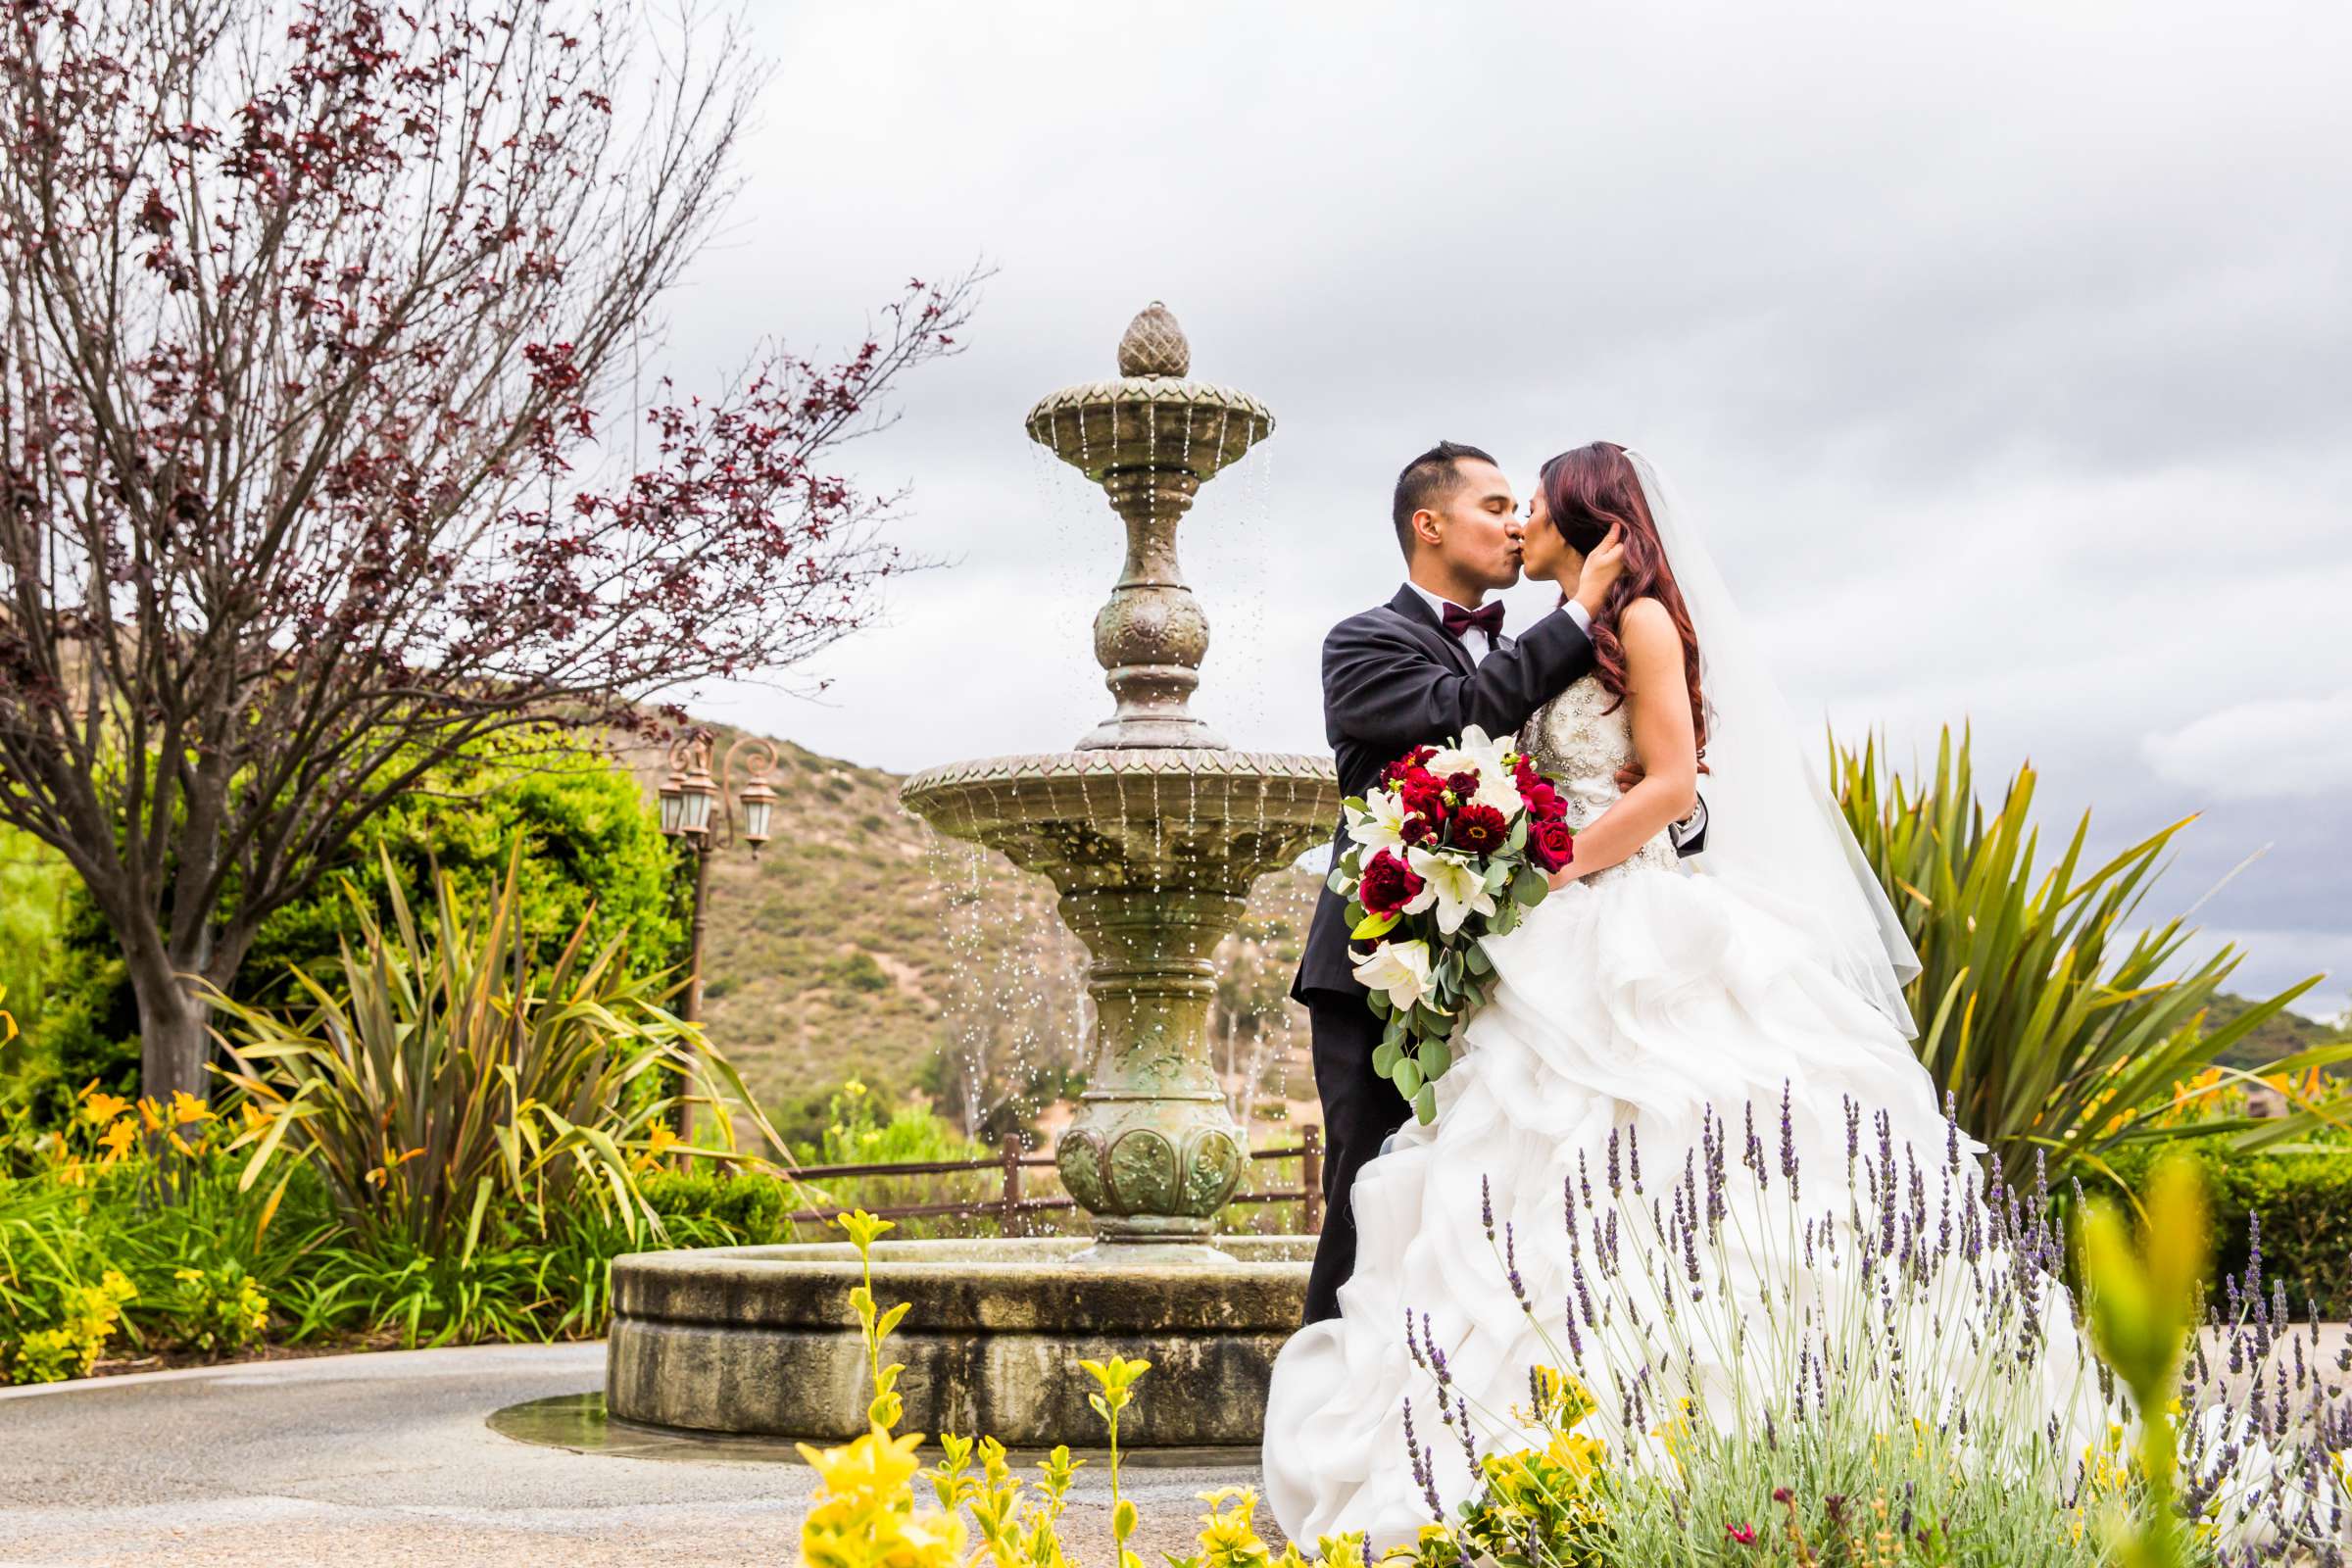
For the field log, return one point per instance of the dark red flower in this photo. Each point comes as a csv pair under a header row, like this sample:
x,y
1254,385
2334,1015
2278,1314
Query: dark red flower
x,y
1408,764
1418,830
1744,1535
1423,796
1481,828
1544,802
1550,845
1389,885
1463,784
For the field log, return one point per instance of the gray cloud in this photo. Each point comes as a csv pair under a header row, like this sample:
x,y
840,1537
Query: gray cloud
x,y
2007,354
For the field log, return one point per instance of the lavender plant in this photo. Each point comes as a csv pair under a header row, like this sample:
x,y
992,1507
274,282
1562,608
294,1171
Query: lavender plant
x,y
1762,1361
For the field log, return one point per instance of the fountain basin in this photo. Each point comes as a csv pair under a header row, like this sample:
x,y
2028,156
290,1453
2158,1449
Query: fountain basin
x,y
763,1340
1167,819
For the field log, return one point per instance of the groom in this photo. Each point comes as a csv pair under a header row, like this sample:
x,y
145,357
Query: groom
x,y
1420,670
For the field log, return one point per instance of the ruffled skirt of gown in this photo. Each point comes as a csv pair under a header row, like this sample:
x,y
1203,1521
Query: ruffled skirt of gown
x,y
1638,1006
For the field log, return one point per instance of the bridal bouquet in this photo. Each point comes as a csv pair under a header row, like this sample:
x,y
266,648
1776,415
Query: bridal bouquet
x,y
1455,843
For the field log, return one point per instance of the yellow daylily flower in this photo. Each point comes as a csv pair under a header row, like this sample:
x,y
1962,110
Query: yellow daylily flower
x,y
101,1107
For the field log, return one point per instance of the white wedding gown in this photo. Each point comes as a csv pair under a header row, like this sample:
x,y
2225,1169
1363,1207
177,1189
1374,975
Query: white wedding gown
x,y
1629,1002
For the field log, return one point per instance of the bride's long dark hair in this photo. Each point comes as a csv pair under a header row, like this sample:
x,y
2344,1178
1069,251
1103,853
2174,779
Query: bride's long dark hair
x,y
1588,491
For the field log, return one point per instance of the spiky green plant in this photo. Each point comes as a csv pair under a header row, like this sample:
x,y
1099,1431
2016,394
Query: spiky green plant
x,y
2048,1007
437,1071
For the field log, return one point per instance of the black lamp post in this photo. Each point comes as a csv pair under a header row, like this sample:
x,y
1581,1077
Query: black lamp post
x,y
695,808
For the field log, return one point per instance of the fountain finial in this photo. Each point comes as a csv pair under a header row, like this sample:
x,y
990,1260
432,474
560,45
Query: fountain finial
x,y
1154,345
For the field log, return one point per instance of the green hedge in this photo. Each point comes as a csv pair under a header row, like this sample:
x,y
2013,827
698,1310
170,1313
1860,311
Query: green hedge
x,y
750,1207
2304,1199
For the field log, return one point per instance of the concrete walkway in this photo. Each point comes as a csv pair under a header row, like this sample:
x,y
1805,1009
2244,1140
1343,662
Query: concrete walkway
x,y
356,1460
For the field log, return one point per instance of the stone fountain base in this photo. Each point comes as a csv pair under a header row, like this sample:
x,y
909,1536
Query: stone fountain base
x,y
763,1340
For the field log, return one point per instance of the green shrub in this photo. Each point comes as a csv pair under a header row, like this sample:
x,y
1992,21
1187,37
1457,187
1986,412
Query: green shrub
x,y
748,1207
857,971
2048,1007
2300,1199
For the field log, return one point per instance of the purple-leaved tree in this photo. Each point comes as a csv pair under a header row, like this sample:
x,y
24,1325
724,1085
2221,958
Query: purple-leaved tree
x,y
309,312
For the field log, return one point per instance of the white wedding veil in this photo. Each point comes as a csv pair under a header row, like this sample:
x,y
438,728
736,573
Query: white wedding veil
x,y
1773,834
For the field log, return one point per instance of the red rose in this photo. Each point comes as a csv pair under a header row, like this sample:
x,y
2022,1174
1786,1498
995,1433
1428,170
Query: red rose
x,y
1524,773
1550,845
1481,828
1463,784
1389,885
1418,830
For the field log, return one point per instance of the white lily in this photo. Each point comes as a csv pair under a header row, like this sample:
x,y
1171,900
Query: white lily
x,y
1451,883
1380,826
1399,968
1477,754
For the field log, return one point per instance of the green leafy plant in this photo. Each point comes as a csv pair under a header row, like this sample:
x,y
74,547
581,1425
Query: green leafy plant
x,y
865,1513
2142,1302
91,1314
2049,1009
1114,1391
447,1073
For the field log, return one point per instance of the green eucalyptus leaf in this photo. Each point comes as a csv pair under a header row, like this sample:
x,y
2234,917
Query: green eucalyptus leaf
x,y
1434,1058
1425,1105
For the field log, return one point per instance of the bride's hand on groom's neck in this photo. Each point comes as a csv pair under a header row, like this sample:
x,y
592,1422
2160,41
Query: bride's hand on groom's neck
x,y
1600,573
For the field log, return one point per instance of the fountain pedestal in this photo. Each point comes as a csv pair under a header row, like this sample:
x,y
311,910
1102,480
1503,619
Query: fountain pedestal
x,y
1153,831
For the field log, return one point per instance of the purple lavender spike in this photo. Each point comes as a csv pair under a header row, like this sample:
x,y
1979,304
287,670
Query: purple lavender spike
x,y
1787,1141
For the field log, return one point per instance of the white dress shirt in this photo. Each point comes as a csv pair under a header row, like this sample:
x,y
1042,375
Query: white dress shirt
x,y
1476,644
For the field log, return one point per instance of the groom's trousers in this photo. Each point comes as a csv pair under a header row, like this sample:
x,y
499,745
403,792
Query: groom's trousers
x,y
1361,1109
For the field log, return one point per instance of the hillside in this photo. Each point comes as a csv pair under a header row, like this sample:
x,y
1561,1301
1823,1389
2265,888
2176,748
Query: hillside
x,y
862,945
2282,1035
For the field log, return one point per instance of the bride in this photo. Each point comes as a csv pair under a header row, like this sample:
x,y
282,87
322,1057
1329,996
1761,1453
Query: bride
x,y
1646,1017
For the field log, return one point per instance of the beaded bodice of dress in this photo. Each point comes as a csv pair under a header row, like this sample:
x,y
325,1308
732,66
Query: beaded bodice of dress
x,y
1579,741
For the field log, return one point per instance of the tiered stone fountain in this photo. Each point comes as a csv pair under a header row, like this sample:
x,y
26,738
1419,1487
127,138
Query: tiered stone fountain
x,y
1154,831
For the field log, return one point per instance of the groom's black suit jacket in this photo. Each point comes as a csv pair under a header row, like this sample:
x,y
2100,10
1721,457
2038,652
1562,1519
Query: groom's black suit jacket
x,y
1393,678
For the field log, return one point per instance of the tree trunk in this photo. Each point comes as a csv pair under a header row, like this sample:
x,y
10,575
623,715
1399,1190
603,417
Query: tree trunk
x,y
174,1033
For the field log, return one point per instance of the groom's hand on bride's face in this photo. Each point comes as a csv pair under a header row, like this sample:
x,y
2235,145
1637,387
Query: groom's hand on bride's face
x,y
1601,569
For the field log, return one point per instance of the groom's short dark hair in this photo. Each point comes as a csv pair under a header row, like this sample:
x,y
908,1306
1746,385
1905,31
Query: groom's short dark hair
x,y
1427,479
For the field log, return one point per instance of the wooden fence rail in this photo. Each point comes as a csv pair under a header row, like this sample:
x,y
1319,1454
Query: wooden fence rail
x,y
1011,1203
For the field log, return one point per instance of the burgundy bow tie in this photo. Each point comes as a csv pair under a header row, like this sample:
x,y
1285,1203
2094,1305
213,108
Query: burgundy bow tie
x,y
1486,618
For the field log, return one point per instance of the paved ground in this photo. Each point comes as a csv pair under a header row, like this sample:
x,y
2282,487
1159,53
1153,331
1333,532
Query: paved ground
x,y
359,1460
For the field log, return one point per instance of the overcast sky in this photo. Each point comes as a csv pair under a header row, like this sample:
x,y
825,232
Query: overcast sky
x,y
2004,351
